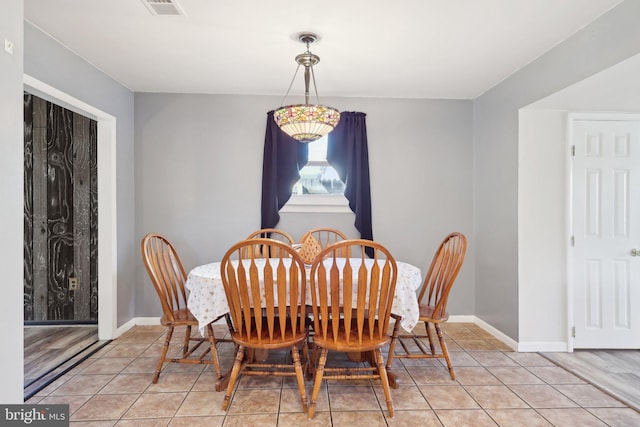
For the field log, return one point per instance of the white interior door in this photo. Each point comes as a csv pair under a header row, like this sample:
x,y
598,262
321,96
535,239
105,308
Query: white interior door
x,y
606,234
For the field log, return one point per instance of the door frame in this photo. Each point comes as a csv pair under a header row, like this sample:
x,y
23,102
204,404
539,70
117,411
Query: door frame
x,y
572,117
107,213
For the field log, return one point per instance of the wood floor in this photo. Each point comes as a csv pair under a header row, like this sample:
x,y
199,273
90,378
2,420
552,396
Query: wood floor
x,y
616,372
52,350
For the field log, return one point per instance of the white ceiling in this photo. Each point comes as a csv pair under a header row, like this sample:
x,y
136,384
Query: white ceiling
x,y
403,49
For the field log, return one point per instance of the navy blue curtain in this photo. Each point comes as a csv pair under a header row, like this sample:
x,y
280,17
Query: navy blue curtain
x,y
283,158
347,152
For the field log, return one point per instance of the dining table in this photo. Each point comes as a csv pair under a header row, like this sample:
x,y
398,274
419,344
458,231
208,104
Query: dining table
x,y
207,300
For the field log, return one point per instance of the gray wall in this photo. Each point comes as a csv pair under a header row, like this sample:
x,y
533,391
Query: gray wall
x,y
607,41
11,208
199,171
48,61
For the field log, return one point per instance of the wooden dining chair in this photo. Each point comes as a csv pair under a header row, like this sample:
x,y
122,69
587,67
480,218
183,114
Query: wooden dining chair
x,y
266,295
442,273
168,277
351,299
269,233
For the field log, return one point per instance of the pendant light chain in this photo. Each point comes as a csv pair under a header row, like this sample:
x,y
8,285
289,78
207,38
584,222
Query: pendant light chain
x,y
291,84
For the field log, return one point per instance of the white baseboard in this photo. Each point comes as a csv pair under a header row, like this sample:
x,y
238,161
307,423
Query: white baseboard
x,y
147,321
523,347
543,346
496,333
461,318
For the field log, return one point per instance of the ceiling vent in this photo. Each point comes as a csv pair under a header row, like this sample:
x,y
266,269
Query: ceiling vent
x,y
163,7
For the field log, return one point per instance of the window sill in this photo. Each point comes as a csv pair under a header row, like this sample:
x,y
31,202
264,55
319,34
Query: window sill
x,y
316,204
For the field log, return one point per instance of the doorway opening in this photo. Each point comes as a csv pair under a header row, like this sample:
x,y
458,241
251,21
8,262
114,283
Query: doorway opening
x,y
106,317
107,222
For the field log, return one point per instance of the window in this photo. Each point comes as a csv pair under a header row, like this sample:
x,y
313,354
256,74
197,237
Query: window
x,y
319,188
318,176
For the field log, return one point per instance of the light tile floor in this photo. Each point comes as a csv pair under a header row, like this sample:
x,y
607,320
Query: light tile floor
x,y
494,387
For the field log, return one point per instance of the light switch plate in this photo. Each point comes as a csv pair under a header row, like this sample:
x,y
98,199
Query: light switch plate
x,y
8,46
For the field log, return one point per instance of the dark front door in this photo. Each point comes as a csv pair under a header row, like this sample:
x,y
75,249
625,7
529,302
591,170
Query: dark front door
x,y
60,214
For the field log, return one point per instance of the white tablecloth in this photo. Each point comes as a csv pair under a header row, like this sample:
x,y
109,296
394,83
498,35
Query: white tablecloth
x,y
207,299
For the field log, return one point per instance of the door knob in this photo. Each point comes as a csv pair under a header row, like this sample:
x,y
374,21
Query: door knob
x,y
635,252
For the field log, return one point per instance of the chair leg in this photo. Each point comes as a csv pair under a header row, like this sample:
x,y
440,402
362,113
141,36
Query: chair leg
x,y
227,317
392,345
163,354
234,377
313,362
385,380
431,344
299,375
187,336
317,382
445,351
306,361
214,352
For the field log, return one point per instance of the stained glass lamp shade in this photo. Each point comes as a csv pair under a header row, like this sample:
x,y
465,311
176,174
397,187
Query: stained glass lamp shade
x,y
306,122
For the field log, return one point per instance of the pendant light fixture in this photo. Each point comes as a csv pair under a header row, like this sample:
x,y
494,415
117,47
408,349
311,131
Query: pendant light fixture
x,y
306,122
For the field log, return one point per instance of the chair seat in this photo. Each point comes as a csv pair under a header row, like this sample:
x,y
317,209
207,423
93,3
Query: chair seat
x,y
264,341
426,314
341,344
182,317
